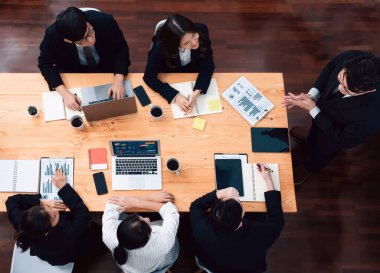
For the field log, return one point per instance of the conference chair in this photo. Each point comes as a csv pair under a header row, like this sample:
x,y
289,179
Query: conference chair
x,y
23,262
201,266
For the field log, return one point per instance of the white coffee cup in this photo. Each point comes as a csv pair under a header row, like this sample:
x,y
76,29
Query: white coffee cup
x,y
156,112
172,164
77,122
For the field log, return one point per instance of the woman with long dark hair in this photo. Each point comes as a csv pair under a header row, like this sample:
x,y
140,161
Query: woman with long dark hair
x,y
52,234
137,244
180,46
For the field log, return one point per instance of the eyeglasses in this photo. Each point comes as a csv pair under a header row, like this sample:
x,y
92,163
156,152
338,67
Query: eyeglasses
x,y
84,40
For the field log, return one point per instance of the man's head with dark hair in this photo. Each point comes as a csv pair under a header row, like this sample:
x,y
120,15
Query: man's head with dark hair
x,y
72,24
226,215
361,73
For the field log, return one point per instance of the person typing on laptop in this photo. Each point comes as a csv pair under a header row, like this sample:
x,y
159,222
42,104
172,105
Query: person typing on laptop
x,y
224,239
81,42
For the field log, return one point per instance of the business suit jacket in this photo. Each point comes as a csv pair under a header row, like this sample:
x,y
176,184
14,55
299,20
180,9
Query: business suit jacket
x,y
343,122
65,242
157,64
59,56
241,251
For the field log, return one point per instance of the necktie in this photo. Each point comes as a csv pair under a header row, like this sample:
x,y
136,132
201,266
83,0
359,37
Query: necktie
x,y
92,65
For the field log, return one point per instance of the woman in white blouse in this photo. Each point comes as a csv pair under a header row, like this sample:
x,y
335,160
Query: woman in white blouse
x,y
180,46
137,244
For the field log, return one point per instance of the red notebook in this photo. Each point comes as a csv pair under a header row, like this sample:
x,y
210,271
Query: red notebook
x,y
98,158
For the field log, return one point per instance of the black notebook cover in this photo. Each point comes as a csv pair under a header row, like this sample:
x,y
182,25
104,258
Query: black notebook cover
x,y
270,140
229,174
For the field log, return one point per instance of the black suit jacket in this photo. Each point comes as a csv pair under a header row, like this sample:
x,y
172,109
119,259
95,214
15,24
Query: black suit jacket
x,y
343,122
59,56
241,251
157,64
65,242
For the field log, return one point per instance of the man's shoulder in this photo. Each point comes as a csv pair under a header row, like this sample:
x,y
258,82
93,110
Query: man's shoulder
x,y
99,18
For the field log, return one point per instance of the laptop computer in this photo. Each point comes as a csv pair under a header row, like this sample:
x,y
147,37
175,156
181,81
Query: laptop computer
x,y
97,105
136,165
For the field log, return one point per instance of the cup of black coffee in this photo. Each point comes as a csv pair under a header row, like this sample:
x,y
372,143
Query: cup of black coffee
x,y
156,112
173,165
77,122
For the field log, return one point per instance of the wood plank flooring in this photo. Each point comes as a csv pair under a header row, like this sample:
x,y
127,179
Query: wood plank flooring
x,y
337,228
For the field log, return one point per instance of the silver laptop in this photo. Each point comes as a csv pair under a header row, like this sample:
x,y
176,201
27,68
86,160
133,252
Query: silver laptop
x,y
136,165
96,104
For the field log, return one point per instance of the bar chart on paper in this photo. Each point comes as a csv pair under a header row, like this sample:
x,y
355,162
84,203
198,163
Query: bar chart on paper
x,y
48,167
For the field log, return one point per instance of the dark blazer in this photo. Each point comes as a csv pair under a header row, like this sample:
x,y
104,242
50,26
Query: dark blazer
x,y
59,56
157,64
241,251
343,122
65,242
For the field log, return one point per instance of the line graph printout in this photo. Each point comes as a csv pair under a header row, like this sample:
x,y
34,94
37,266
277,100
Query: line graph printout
x,y
48,167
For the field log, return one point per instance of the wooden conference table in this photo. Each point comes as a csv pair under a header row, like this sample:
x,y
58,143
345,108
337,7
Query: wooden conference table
x,y
24,137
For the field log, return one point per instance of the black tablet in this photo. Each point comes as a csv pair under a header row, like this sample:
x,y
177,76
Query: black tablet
x,y
270,140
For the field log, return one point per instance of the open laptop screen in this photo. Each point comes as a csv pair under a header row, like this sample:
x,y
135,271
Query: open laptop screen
x,y
135,148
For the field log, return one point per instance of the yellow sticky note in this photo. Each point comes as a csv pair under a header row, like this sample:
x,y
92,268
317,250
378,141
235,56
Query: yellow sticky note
x,y
199,124
214,105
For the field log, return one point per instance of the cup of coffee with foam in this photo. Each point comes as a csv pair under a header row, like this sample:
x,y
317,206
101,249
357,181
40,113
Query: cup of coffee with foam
x,y
77,122
173,165
156,112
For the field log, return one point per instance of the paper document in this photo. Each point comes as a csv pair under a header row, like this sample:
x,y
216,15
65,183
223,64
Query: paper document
x,y
206,104
247,100
48,167
19,175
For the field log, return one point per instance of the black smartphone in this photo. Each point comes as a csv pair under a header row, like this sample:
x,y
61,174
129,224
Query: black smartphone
x,y
142,95
100,183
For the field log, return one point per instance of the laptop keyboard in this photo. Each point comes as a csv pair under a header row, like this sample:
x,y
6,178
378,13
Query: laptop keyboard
x,y
136,166
99,101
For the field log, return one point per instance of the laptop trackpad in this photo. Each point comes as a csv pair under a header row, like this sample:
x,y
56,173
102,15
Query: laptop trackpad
x,y
137,182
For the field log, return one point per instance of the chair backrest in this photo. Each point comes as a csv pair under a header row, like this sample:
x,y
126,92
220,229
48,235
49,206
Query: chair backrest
x,y
86,9
23,262
200,265
159,25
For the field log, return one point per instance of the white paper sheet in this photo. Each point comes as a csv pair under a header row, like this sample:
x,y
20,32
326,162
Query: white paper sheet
x,y
53,105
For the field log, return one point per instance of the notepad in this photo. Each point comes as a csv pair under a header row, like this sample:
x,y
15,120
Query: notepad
x,y
199,124
205,104
55,108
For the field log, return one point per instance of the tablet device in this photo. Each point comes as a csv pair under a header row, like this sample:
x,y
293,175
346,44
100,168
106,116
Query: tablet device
x,y
270,140
228,171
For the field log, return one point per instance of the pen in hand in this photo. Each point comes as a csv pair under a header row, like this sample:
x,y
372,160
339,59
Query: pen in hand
x,y
76,96
267,169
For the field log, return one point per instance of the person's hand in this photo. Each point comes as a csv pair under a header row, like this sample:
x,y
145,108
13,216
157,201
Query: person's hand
x,y
265,172
192,99
117,89
54,204
227,193
71,101
59,179
304,101
162,197
183,103
124,202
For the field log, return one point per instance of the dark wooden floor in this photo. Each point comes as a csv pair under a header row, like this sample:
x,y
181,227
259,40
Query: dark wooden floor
x,y
337,228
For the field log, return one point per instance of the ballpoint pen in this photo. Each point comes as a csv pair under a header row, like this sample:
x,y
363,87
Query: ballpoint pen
x,y
266,168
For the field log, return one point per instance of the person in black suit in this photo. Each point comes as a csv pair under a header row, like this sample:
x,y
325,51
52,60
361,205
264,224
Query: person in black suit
x,y
180,46
53,235
80,42
344,104
225,240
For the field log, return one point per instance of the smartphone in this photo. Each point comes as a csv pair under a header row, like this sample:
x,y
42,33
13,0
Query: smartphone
x,y
100,183
142,95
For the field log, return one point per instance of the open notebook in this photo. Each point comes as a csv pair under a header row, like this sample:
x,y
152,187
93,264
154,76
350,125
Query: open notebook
x,y
233,170
206,104
34,175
